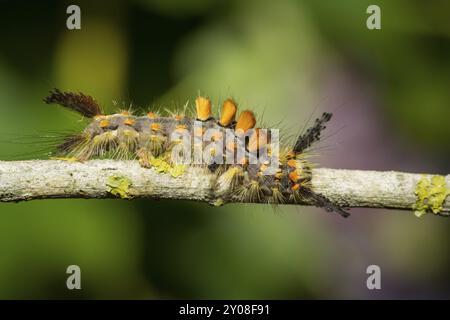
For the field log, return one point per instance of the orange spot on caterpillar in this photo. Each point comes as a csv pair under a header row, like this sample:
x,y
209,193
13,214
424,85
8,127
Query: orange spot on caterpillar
x,y
246,121
295,187
129,121
243,161
178,117
199,132
203,108
155,126
181,128
125,113
231,146
152,115
294,176
104,123
217,136
292,163
228,113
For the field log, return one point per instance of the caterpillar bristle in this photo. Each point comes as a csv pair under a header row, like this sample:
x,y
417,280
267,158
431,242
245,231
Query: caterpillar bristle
x,y
251,192
103,143
312,134
83,104
69,144
255,193
277,196
322,202
83,150
230,178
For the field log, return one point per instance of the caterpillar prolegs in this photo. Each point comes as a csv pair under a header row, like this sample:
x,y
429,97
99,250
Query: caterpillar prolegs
x,y
247,160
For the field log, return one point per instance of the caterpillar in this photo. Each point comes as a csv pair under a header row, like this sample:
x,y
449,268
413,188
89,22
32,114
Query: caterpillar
x,y
242,161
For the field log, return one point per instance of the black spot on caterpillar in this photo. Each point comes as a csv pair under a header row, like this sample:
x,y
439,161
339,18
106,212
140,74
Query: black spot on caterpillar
x,y
249,175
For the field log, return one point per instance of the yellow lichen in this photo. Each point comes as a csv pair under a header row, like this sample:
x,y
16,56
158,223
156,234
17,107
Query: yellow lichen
x,y
162,166
177,170
119,186
438,193
68,159
218,202
430,195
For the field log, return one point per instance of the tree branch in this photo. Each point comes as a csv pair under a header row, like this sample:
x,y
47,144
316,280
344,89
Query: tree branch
x,y
43,179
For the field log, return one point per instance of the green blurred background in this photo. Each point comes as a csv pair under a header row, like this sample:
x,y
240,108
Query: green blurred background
x,y
388,88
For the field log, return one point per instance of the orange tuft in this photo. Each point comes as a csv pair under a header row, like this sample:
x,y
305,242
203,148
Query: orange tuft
x,y
293,176
246,121
198,132
203,108
151,115
295,187
243,161
129,121
155,126
228,114
181,128
231,146
125,113
217,135
178,117
104,123
292,163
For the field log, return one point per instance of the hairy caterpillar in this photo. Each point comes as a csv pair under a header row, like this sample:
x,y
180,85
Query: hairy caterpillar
x,y
151,136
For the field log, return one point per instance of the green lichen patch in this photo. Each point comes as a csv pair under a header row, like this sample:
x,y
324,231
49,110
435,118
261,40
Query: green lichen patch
x,y
119,186
68,159
430,195
162,166
438,193
218,202
177,170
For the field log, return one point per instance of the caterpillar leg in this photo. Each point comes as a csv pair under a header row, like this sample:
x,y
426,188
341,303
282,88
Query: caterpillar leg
x,y
74,148
144,157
